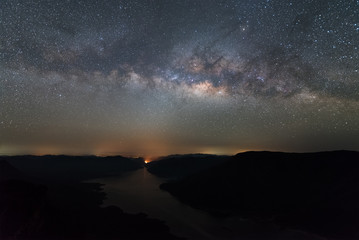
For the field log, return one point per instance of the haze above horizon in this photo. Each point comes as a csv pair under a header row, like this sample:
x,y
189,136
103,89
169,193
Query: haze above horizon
x,y
153,78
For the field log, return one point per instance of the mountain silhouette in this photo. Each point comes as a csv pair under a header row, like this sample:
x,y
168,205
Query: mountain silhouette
x,y
179,166
7,171
73,168
318,192
64,207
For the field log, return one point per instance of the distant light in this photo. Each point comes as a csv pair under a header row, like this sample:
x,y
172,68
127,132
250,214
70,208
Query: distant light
x,y
146,161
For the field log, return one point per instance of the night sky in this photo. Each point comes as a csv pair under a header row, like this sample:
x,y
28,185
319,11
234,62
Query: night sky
x,y
149,78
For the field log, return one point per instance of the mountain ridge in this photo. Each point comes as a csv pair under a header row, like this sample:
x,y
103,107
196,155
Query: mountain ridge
x,y
296,189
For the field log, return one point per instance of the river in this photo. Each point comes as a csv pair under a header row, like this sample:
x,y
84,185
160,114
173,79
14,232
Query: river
x,y
139,191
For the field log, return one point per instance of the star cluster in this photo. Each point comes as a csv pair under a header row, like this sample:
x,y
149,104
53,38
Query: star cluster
x,y
159,77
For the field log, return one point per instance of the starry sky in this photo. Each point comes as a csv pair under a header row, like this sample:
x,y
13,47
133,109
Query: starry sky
x,y
156,77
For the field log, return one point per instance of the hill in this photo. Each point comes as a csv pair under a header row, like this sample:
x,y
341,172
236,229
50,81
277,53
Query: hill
x,y
317,192
179,166
7,171
73,168
63,207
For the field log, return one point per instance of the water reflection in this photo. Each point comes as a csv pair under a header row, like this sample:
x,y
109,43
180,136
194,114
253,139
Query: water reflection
x,y
139,191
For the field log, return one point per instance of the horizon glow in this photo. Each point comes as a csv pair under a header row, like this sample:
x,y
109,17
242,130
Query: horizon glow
x,y
153,78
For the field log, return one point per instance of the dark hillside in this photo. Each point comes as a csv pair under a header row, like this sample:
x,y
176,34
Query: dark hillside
x,y
179,166
313,191
62,207
73,168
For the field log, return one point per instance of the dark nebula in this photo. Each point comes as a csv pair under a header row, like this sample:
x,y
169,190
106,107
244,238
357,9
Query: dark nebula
x,y
159,77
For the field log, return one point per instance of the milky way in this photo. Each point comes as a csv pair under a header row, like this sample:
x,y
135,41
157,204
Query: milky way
x,y
159,77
